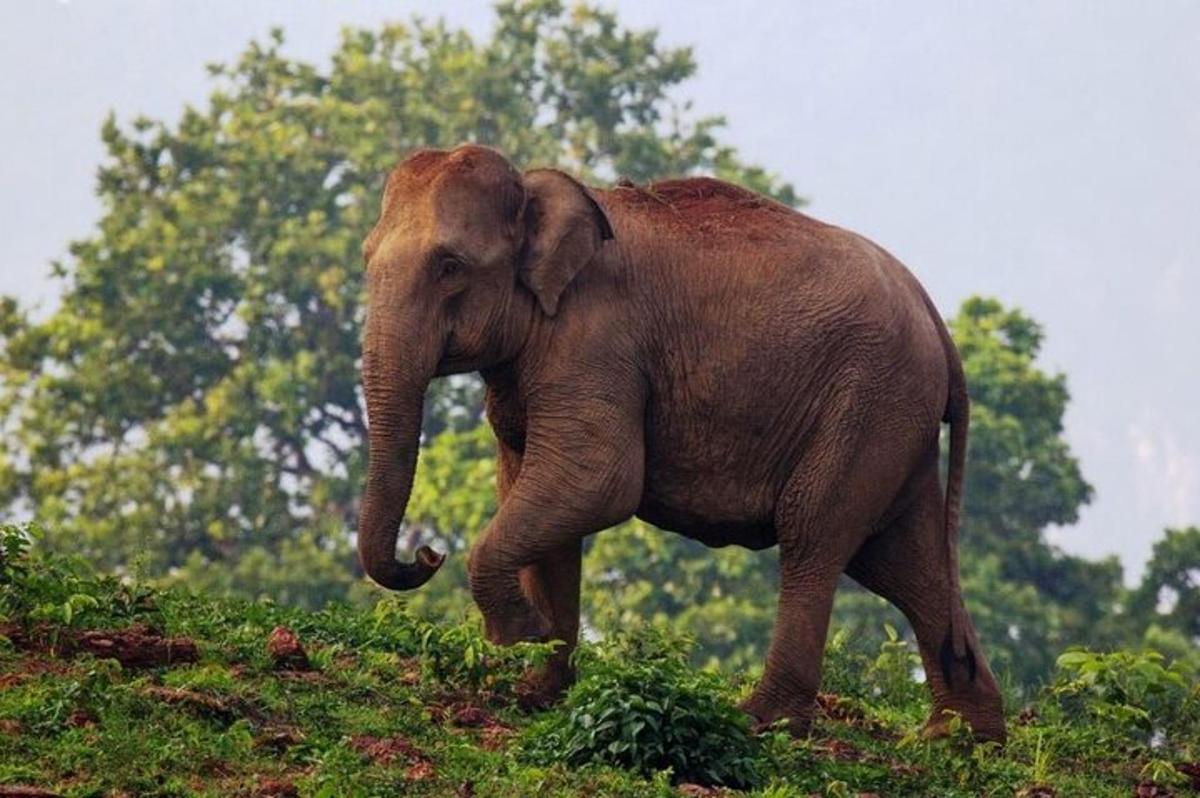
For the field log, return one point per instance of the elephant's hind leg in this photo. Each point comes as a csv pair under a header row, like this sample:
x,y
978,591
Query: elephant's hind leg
x,y
793,670
907,563
818,532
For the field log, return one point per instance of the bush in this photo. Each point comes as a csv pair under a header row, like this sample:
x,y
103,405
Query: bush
x,y
60,589
1135,695
640,705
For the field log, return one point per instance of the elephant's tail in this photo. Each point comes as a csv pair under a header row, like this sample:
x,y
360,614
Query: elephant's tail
x,y
956,647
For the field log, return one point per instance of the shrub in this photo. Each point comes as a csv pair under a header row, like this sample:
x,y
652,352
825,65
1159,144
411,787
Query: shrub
x,y
1136,695
892,673
61,589
460,656
639,705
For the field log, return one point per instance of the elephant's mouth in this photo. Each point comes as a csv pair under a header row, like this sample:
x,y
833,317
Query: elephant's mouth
x,y
450,362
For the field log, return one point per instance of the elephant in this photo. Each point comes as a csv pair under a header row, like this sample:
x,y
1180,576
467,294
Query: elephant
x,y
686,351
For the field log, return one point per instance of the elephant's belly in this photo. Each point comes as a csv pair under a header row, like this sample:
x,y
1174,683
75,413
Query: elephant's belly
x,y
716,502
749,534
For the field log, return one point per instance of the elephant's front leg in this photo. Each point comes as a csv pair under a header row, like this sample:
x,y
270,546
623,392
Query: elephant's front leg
x,y
552,587
575,478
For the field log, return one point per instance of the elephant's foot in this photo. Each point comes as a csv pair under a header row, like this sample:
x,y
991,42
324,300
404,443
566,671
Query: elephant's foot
x,y
983,728
766,712
540,688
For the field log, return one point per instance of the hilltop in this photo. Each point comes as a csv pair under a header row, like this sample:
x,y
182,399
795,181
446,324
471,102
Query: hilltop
x,y
111,687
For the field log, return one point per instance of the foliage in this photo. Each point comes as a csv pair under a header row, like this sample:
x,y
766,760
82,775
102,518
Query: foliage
x,y
1130,694
643,708
62,590
385,710
892,671
1169,594
194,398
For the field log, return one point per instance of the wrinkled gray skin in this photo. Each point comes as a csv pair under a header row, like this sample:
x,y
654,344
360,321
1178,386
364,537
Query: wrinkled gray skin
x,y
694,354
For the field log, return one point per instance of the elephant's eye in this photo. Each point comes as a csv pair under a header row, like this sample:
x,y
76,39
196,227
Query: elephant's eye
x,y
450,265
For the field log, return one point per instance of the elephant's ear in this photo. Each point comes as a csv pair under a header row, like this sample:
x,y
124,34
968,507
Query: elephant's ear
x,y
564,226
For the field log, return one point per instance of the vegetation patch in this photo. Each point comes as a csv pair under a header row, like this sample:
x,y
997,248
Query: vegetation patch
x,y
643,707
391,704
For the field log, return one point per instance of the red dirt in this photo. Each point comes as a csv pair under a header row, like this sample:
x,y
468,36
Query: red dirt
x,y
285,650
495,737
23,791
842,710
842,751
421,771
699,791
275,788
135,647
835,707
410,671
494,734
383,750
1148,789
471,716
139,647
706,205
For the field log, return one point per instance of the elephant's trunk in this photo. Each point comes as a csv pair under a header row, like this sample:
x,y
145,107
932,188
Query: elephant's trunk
x,y
395,390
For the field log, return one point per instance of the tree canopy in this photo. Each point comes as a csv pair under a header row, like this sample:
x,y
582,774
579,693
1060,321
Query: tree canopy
x,y
194,400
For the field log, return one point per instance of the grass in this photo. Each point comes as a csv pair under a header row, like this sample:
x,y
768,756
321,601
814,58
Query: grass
x,y
111,688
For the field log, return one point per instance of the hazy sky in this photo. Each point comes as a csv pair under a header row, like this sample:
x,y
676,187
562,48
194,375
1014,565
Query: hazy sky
x,y
1047,153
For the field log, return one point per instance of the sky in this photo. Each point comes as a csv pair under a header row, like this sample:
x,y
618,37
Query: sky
x,y
1045,153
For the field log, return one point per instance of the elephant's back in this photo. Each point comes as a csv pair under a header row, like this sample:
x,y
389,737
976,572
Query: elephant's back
x,y
760,343
705,209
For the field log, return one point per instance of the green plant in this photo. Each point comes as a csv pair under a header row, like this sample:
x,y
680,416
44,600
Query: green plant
x,y
59,589
892,671
1131,694
640,705
460,655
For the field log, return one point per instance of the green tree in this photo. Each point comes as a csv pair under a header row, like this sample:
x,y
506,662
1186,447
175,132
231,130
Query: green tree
x,y
1023,478
193,401
1169,594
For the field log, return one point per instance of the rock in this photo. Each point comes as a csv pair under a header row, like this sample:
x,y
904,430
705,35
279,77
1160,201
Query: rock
x,y
285,650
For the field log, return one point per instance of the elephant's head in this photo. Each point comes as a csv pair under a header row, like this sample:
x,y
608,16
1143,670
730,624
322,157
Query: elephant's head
x,y
466,253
